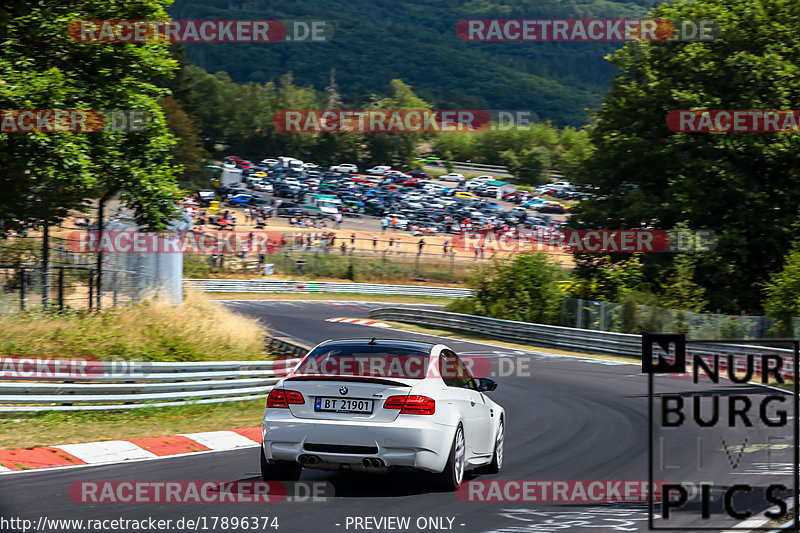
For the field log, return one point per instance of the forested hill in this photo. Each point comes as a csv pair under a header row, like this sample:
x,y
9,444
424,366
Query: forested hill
x,y
415,40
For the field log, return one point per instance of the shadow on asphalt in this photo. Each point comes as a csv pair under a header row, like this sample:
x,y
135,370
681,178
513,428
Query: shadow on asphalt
x,y
364,485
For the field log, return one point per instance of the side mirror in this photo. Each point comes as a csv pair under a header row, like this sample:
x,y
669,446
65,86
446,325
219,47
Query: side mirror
x,y
486,384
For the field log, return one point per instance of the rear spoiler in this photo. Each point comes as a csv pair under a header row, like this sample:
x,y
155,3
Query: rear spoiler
x,y
360,379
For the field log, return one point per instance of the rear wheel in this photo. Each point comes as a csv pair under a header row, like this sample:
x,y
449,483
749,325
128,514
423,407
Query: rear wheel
x,y
279,471
497,459
453,473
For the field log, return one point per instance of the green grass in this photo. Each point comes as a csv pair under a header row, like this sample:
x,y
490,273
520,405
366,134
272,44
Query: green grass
x,y
48,429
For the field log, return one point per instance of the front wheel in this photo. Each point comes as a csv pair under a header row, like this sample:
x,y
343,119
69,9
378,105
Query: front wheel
x,y
452,475
280,471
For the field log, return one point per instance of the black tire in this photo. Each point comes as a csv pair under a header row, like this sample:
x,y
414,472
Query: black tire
x,y
497,458
279,471
449,479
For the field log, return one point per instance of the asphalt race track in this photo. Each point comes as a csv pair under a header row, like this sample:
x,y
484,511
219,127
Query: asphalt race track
x,y
570,419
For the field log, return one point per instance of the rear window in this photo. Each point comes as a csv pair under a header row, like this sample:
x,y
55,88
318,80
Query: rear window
x,y
365,361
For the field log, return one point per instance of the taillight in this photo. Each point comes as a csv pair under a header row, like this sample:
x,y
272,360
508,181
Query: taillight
x,y
394,402
411,405
295,397
281,398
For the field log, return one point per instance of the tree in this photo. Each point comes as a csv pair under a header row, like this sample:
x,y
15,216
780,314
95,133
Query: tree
x,y
745,187
524,288
603,279
782,294
187,153
47,174
395,148
530,164
681,291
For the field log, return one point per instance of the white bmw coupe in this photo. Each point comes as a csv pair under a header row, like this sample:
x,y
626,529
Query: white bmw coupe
x,y
374,405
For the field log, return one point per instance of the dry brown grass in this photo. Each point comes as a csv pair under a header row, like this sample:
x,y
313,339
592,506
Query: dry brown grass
x,y
197,330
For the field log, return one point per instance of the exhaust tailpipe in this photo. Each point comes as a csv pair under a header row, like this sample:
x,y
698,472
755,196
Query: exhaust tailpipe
x,y
303,459
370,462
367,462
313,459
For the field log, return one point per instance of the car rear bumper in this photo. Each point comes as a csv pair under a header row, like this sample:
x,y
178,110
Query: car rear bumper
x,y
410,441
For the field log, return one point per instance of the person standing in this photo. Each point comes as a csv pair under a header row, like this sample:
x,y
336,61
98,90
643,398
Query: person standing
x,y
445,246
338,220
421,245
391,243
397,245
374,243
353,240
384,224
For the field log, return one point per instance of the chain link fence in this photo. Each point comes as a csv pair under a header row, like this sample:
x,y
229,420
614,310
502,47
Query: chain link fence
x,y
77,280
630,318
382,258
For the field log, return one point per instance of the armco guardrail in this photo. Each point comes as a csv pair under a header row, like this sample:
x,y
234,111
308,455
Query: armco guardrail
x,y
273,285
572,339
477,165
145,384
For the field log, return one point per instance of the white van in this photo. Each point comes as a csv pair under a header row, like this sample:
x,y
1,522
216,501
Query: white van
x,y
291,163
321,205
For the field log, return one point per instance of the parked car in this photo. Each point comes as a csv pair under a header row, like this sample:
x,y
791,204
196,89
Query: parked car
x,y
346,168
239,200
205,197
452,176
402,220
396,174
433,187
378,170
290,209
552,208
281,190
466,195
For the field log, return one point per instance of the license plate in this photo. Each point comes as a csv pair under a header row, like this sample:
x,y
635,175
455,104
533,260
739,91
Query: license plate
x,y
343,405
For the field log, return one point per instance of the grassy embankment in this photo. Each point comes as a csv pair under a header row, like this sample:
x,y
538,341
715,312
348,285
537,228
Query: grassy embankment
x,y
198,330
